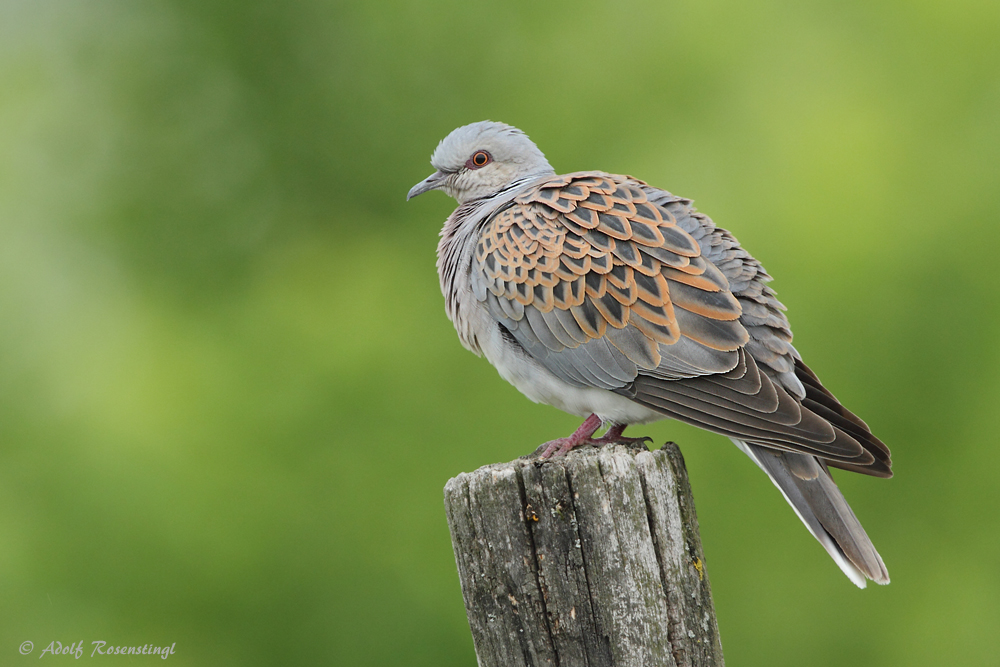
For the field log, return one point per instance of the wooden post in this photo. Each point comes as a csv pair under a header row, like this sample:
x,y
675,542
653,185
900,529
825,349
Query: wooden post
x,y
588,560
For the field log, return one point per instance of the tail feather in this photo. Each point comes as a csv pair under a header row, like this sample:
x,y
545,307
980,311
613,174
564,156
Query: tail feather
x,y
806,484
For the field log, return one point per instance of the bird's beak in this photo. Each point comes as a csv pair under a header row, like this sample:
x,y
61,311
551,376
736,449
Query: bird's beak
x,y
432,182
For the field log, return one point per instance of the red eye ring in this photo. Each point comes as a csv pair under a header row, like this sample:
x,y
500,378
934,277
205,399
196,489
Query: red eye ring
x,y
479,159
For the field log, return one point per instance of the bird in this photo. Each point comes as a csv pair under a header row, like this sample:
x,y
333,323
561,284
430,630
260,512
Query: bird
x,y
619,302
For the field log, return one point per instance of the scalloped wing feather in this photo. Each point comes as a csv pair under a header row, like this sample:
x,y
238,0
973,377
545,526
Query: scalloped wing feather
x,y
593,246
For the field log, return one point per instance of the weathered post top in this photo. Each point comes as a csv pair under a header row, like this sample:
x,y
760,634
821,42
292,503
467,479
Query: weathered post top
x,y
592,559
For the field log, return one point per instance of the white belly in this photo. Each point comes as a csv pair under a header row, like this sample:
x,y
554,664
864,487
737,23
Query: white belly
x,y
541,386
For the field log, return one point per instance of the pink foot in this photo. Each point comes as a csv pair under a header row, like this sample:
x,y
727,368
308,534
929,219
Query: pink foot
x,y
584,436
561,446
614,437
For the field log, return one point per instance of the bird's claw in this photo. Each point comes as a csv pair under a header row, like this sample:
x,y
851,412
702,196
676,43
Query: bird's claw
x,y
562,446
557,447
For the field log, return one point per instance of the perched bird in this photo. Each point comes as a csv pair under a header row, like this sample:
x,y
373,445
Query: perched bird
x,y
619,302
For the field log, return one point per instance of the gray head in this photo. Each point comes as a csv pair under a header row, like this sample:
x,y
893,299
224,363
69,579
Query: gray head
x,y
480,159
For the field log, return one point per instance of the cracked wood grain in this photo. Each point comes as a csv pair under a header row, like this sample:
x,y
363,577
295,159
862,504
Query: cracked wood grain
x,y
592,560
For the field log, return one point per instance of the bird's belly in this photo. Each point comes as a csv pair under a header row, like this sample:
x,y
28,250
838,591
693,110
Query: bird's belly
x,y
541,386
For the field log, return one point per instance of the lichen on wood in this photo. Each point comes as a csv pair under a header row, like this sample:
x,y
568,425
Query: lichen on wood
x,y
592,559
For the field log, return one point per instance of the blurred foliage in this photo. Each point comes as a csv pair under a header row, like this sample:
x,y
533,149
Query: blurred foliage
x,y
229,396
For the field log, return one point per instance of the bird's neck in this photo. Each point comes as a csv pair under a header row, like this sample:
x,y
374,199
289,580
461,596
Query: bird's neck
x,y
454,260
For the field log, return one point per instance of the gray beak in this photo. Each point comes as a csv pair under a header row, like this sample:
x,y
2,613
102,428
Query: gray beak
x,y
430,183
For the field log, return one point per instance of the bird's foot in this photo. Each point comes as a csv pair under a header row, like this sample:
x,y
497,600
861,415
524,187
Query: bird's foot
x,y
558,447
585,436
561,446
614,437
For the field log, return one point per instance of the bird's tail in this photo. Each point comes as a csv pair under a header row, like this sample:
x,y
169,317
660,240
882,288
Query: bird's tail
x,y
808,487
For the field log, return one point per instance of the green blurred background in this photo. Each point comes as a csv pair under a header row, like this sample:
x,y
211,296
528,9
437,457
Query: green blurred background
x,y
229,395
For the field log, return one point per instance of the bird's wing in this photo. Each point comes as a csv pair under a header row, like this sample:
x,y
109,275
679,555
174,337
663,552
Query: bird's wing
x,y
584,266
770,344
609,283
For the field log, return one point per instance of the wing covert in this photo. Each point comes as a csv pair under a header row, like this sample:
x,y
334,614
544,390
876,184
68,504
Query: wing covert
x,y
588,256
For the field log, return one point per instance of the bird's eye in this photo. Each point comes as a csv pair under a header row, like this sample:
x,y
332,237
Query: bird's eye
x,y
479,159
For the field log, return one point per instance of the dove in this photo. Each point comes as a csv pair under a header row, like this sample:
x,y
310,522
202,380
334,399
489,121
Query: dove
x,y
620,303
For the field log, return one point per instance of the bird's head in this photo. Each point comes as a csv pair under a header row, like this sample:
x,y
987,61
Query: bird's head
x,y
480,159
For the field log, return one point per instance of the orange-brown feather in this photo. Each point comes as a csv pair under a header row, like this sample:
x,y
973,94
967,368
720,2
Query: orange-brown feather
x,y
593,247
